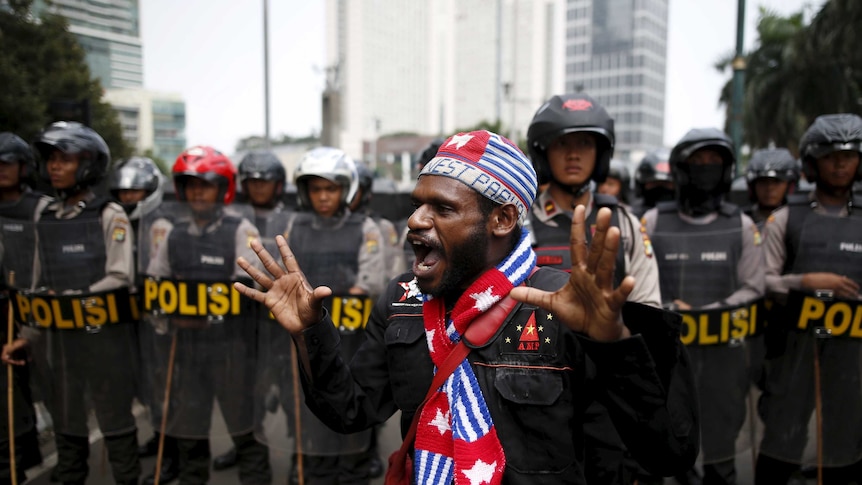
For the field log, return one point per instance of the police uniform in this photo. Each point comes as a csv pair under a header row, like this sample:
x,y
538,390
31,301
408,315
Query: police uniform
x,y
806,237
341,252
712,261
17,253
86,248
214,360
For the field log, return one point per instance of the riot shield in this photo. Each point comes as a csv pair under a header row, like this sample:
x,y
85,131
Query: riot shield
x,y
813,399
281,414
198,335
84,345
697,271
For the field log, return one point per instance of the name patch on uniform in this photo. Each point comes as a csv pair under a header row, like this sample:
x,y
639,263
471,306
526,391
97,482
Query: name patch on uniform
x,y
721,326
212,260
73,248
851,247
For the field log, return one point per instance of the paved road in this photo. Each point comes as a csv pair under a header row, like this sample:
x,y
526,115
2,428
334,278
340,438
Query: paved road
x,y
100,473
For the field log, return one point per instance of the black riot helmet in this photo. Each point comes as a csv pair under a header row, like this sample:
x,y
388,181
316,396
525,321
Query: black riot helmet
x,y
428,153
138,173
262,165
13,149
75,138
828,134
620,171
366,181
699,188
654,167
570,113
775,163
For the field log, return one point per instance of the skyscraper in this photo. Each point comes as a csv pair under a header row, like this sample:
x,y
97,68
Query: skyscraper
x,y
108,32
430,67
616,51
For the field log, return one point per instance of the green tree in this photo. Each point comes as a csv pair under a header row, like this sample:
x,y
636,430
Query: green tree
x,y
798,71
42,62
771,112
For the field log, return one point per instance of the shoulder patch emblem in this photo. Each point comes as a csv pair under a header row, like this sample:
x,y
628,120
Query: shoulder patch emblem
x,y
757,238
119,234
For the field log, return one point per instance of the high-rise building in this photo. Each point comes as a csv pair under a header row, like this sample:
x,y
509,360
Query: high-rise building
x,y
108,32
431,67
151,121
616,51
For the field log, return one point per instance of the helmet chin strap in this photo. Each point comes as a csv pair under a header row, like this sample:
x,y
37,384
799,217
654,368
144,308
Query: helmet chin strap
x,y
577,190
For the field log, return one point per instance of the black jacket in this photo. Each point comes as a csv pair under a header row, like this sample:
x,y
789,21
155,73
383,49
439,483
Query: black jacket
x,y
536,393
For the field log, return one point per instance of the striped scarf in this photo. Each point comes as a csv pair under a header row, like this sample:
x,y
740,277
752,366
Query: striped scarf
x,y
455,438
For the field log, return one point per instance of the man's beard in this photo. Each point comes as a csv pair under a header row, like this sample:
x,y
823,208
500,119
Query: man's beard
x,y
466,262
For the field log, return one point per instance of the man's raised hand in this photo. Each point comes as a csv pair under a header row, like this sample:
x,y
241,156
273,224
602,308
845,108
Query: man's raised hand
x,y
588,302
289,296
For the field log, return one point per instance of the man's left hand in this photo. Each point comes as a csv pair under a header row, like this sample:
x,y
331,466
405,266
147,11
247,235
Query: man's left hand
x,y
588,303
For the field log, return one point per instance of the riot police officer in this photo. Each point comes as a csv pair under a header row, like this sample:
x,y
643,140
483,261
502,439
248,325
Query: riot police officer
x,y
262,180
137,185
571,142
342,250
653,181
812,251
86,256
771,176
709,257
618,182
215,348
17,204
361,203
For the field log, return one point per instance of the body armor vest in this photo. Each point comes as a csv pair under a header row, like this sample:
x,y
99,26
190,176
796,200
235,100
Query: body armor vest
x,y
206,257
328,256
552,243
697,263
19,238
73,250
820,242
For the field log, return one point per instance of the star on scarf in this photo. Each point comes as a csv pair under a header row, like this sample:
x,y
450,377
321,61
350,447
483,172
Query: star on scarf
x,y
441,422
485,299
480,473
459,140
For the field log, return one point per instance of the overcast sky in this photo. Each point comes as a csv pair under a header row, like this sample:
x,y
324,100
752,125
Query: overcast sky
x,y
211,52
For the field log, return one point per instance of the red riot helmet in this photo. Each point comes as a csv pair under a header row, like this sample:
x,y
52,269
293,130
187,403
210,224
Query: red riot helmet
x,y
205,163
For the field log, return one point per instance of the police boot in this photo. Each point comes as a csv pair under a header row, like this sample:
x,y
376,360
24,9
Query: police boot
x,y
225,460
170,463
170,471
150,448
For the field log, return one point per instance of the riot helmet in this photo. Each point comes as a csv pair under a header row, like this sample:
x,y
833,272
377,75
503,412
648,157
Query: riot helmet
x,y
13,149
771,163
262,165
570,113
366,181
205,163
619,171
138,173
700,187
71,137
653,181
428,153
331,164
828,134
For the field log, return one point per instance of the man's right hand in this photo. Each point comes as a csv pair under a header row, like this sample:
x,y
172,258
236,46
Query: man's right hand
x,y
289,296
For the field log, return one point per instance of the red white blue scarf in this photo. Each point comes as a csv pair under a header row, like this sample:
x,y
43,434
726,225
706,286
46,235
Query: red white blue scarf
x,y
456,441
